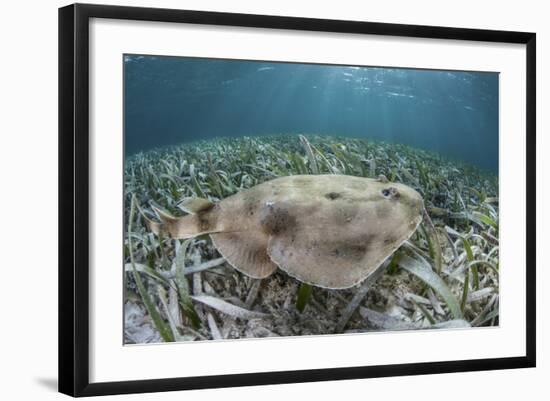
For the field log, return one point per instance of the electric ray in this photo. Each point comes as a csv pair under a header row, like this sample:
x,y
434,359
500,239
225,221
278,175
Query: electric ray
x,y
331,231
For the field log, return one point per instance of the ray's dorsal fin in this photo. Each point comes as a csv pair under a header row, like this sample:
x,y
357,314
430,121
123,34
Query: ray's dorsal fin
x,y
195,205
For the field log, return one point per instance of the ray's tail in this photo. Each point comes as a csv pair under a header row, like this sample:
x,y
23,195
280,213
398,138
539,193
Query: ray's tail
x,y
202,220
175,227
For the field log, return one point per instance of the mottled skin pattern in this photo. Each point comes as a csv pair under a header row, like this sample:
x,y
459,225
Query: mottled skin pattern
x,y
331,231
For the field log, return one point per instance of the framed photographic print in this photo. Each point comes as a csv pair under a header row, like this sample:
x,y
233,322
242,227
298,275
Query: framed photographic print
x,y
250,199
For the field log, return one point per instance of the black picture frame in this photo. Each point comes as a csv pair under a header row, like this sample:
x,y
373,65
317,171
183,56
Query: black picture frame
x,y
74,198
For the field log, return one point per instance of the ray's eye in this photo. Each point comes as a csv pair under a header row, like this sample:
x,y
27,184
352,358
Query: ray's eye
x,y
390,193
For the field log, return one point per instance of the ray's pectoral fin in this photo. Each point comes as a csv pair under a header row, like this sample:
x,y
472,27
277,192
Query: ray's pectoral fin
x,y
334,264
246,251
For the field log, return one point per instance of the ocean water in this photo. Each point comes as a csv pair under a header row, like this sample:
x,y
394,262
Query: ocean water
x,y
173,100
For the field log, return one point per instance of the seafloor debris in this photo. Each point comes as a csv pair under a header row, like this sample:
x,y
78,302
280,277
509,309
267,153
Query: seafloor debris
x,y
446,272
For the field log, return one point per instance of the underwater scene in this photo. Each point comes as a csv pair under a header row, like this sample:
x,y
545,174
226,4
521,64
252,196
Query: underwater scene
x,y
267,199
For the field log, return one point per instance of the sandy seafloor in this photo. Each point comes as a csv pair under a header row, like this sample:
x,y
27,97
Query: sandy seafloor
x,y
458,243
